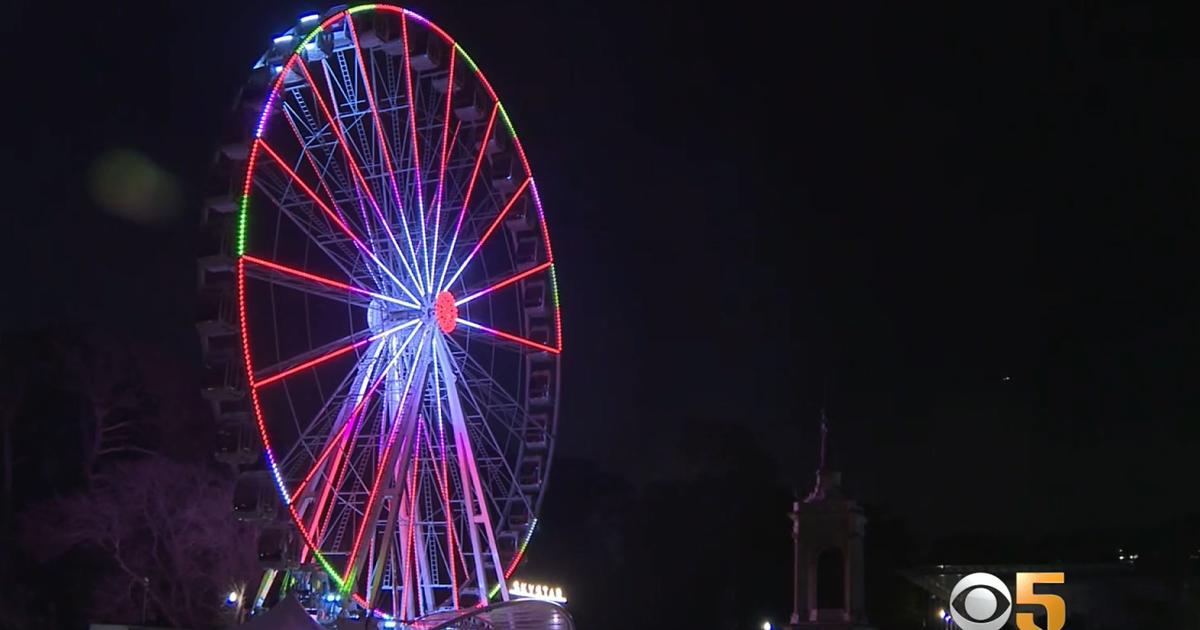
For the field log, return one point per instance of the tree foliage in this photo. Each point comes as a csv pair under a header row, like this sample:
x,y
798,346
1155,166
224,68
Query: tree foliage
x,y
164,534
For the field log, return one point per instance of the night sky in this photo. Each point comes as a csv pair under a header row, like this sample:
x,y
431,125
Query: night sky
x,y
969,233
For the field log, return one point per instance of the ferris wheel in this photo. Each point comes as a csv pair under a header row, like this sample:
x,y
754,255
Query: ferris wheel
x,y
382,319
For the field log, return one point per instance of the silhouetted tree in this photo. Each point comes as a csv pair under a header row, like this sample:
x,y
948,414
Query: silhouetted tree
x,y
164,532
115,405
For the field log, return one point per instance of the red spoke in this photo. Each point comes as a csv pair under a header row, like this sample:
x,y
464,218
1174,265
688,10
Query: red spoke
x,y
354,414
411,495
320,280
491,228
436,207
487,134
317,465
314,362
383,144
347,579
351,430
354,169
412,123
311,160
507,336
333,354
333,217
504,283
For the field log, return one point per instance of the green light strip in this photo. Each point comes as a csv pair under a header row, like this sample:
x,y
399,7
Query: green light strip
x,y
241,228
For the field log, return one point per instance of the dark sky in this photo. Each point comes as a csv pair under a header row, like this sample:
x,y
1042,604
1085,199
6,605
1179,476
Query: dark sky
x,y
967,231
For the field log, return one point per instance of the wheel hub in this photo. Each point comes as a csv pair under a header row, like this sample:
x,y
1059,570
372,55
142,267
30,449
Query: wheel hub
x,y
445,312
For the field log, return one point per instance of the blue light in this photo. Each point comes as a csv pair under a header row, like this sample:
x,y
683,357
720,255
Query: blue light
x,y
312,17
390,623
331,597
283,39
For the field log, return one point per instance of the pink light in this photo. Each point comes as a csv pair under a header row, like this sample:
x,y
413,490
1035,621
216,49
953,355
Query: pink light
x,y
501,285
504,335
325,281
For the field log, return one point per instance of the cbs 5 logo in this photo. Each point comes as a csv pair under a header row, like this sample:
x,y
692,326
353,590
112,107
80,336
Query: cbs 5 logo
x,y
980,601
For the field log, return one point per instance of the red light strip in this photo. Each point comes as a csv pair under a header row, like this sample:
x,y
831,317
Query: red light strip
x,y
436,207
504,335
412,121
341,464
362,182
487,135
307,364
491,228
442,479
379,473
412,518
383,143
537,201
336,353
320,280
354,413
334,217
502,284
341,439
311,161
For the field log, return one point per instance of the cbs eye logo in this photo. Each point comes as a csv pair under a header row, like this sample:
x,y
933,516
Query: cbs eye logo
x,y
980,601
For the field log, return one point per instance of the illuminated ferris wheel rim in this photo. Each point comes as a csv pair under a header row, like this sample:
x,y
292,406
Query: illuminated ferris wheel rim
x,y
419,294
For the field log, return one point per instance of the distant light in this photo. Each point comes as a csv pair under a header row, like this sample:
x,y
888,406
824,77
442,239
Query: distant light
x,y
331,597
766,625
312,17
231,598
283,39
276,69
390,623
942,613
537,591
946,618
